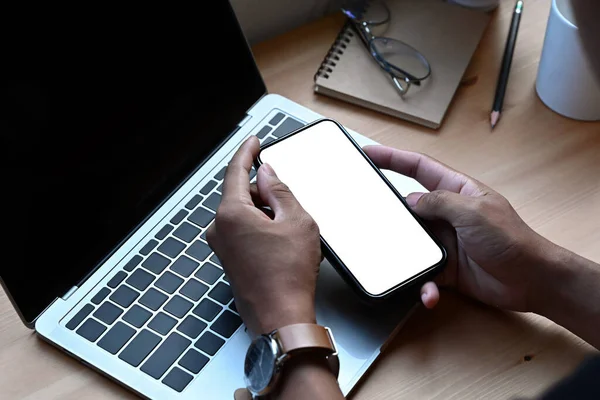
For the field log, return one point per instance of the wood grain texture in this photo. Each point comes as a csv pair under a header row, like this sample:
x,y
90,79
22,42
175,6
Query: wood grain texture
x,y
546,165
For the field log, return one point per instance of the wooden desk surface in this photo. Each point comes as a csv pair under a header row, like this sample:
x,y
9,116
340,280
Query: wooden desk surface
x,y
546,165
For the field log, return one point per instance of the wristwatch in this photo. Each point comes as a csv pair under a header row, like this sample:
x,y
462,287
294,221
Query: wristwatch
x,y
268,353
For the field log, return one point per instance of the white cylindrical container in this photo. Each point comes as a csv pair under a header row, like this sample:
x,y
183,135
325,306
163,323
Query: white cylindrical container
x,y
565,80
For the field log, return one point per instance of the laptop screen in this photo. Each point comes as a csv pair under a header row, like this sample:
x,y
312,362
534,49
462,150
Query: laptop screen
x,y
108,110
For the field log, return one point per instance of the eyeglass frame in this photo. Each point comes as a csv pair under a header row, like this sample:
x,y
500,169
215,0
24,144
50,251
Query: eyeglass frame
x,y
363,29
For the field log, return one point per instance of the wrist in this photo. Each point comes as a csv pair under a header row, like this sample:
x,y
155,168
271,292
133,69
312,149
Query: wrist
x,y
563,279
550,275
288,311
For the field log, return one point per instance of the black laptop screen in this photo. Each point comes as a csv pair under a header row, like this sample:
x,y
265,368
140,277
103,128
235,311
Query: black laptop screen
x,y
107,112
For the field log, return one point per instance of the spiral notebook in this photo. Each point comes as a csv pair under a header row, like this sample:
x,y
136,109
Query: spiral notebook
x,y
446,34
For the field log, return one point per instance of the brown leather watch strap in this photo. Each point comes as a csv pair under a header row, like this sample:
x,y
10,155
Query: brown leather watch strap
x,y
304,336
242,394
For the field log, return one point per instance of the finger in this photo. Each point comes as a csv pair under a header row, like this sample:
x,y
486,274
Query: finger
x,y
430,173
275,193
236,186
430,295
441,204
256,199
211,235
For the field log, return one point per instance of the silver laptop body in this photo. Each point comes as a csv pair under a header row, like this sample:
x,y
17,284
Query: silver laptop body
x,y
157,314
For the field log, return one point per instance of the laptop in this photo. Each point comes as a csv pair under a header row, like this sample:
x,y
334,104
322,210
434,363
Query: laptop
x,y
119,128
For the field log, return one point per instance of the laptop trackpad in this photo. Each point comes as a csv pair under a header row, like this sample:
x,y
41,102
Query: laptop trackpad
x,y
359,329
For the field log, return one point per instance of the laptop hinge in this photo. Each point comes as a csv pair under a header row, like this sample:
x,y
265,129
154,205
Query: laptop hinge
x,y
246,119
69,293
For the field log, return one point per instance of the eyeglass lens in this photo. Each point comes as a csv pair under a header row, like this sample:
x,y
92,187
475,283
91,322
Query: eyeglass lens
x,y
399,58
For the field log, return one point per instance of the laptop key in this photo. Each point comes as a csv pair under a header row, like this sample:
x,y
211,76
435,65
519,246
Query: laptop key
x,y
178,306
124,296
140,279
213,201
207,310
191,327
286,127
137,316
209,273
193,202
156,263
177,379
108,313
164,231
91,330
117,279
276,119
148,247
171,247
201,217
268,140
208,187
186,232
184,266
162,359
193,290
216,260
220,188
139,348
193,361
263,131
226,324
177,218
100,296
221,174
80,316
131,264
199,250
209,343
162,323
153,299
116,338
169,282
221,293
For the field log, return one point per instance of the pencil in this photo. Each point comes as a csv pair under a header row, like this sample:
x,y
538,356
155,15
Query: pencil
x,y
506,62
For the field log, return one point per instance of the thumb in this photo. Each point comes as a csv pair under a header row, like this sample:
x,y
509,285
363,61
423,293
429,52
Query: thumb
x,y
440,204
273,192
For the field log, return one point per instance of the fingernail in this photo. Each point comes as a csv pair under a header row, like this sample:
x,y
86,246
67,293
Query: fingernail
x,y
413,198
424,297
268,169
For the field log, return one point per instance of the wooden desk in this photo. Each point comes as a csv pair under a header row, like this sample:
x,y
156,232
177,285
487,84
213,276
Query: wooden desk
x,y
546,165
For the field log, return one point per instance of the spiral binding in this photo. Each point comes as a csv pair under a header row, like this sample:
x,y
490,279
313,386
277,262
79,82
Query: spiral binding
x,y
335,51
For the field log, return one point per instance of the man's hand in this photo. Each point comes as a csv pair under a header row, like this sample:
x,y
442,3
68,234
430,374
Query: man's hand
x,y
272,259
493,255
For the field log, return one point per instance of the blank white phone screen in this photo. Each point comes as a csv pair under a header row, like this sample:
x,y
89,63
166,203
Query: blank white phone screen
x,y
359,217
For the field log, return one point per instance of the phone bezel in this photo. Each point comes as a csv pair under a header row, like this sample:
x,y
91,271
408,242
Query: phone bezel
x,y
330,254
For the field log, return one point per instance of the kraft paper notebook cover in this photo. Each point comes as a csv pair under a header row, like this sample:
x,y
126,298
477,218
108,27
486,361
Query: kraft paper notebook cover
x,y
447,34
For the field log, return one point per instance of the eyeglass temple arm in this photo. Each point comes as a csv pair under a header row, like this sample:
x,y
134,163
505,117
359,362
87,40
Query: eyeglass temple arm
x,y
366,42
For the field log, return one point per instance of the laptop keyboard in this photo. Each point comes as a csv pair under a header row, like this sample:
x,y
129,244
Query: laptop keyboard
x,y
170,309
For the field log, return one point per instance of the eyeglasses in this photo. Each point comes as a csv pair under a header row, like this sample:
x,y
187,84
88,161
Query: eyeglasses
x,y
404,64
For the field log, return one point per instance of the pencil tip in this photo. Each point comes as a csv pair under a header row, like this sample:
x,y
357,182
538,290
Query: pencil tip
x,y
494,118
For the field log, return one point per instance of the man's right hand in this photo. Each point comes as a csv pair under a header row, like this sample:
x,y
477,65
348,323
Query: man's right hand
x,y
493,255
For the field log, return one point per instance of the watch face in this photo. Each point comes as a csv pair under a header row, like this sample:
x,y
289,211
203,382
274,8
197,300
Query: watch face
x,y
260,364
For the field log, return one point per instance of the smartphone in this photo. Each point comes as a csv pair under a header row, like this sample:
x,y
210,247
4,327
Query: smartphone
x,y
368,232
